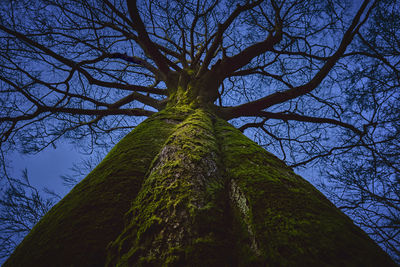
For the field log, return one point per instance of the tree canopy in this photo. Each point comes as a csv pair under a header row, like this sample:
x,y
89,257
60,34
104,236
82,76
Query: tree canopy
x,y
314,82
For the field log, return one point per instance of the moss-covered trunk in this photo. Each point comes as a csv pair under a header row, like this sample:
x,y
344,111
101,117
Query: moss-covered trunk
x,y
185,188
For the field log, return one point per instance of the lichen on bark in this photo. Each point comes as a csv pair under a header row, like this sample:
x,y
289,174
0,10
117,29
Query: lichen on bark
x,y
240,203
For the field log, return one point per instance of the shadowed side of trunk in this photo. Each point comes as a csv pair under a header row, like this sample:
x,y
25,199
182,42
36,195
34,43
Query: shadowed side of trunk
x,y
76,231
286,221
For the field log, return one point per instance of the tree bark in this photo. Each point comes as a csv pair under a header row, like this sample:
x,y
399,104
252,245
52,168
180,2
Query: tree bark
x,y
186,188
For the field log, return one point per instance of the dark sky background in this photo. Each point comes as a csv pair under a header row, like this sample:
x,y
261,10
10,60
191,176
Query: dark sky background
x,y
46,167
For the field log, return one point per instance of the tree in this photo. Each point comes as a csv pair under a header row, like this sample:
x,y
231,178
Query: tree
x,y
313,82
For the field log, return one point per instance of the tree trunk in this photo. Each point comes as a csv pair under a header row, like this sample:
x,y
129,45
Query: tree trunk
x,y
185,188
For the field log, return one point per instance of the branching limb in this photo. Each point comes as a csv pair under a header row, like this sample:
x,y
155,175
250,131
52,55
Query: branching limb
x,y
297,117
78,111
221,29
78,67
144,39
280,97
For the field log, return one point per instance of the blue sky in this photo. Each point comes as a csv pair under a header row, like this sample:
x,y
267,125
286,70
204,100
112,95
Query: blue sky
x,y
46,167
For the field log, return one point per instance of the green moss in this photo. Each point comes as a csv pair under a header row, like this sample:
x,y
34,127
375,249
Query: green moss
x,y
181,191
187,189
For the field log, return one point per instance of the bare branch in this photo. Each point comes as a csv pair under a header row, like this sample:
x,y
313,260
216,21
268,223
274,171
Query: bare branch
x,y
297,117
280,97
144,40
221,29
